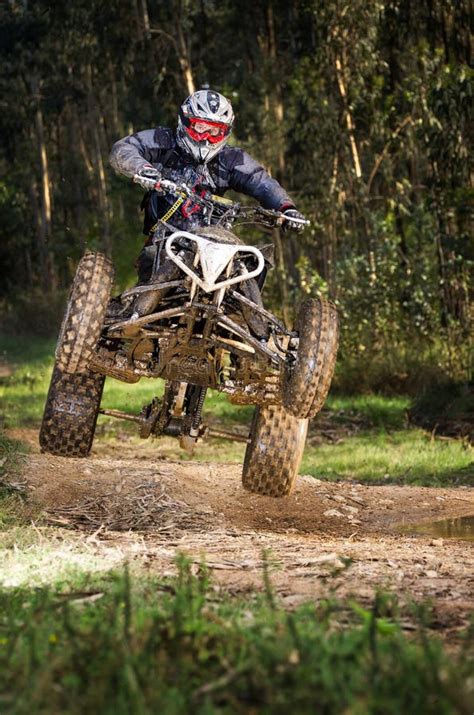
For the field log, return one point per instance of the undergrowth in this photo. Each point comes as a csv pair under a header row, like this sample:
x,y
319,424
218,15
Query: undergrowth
x,y
179,646
11,486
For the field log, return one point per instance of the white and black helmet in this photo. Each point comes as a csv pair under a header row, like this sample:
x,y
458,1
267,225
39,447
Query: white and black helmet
x,y
204,124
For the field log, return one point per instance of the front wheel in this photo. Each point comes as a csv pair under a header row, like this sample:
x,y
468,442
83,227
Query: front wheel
x,y
85,312
274,453
307,378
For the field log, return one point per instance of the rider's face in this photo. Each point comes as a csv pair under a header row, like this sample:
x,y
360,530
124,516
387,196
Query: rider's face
x,y
200,130
202,127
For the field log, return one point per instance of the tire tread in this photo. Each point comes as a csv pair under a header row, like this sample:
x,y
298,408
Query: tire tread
x,y
70,413
306,385
85,312
274,453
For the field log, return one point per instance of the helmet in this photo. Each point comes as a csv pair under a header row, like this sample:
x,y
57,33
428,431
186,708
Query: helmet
x,y
204,124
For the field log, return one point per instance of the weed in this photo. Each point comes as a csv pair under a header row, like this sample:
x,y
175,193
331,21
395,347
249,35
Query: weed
x,y
175,646
12,489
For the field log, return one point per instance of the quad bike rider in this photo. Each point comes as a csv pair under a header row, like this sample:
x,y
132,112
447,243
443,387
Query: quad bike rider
x,y
198,154
196,317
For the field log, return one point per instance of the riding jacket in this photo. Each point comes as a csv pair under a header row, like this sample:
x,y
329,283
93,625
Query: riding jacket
x,y
231,168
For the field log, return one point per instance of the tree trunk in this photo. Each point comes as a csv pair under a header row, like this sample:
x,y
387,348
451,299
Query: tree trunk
x,y
348,116
184,59
145,19
99,170
286,251
114,105
104,204
277,95
48,277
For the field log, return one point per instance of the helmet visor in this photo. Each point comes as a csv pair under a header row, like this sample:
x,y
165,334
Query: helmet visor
x,y
201,130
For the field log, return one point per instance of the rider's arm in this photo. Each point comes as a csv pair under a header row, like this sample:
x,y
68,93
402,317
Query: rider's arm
x,y
249,177
131,154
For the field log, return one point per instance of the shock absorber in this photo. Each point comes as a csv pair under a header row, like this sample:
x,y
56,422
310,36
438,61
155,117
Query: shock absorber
x,y
194,430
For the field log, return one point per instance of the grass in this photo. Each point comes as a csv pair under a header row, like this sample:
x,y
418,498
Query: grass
x,y
407,456
373,441
79,633
34,557
11,488
111,644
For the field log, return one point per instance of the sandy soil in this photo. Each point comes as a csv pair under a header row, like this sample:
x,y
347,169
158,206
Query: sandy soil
x,y
342,539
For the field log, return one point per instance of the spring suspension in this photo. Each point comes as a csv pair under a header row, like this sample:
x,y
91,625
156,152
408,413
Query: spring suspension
x,y
194,431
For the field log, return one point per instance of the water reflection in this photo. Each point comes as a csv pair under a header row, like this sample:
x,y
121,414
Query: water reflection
x,y
461,527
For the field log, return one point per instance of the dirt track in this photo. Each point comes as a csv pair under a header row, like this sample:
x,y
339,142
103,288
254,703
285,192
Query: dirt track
x,y
326,538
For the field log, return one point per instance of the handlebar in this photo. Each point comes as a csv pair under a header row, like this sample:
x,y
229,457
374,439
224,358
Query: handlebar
x,y
164,185
276,218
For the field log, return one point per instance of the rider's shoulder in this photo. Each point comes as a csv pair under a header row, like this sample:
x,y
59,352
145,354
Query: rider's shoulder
x,y
161,137
236,157
231,155
164,137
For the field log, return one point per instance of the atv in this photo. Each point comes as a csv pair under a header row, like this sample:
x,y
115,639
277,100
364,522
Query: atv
x,y
199,326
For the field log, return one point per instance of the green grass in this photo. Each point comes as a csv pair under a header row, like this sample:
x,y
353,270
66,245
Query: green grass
x,y
22,394
376,411
116,645
11,488
375,444
404,457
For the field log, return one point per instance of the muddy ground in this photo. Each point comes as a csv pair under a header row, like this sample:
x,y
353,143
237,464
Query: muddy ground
x,y
343,539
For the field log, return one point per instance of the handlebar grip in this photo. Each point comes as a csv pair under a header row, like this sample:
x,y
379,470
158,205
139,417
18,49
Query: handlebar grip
x,y
303,221
145,181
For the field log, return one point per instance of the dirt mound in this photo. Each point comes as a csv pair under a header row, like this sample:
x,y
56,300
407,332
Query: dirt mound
x,y
144,495
117,495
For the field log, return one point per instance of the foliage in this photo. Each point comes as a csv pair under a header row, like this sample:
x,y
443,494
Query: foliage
x,y
175,646
448,409
11,487
10,460
361,109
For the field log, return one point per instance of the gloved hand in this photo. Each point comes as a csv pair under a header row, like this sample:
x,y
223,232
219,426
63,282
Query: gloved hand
x,y
295,225
147,177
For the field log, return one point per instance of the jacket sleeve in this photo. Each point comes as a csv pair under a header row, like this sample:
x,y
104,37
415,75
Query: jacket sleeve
x,y
249,177
131,153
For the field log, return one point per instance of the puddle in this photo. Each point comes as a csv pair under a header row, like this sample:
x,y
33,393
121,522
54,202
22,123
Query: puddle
x,y
461,527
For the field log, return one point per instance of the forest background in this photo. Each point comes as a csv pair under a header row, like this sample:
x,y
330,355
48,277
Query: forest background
x,y
361,109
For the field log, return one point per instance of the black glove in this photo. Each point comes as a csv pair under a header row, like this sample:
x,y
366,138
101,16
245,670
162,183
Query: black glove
x,y
295,225
147,177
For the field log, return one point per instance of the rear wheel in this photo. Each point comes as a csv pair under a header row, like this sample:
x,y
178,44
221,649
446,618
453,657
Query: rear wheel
x,y
274,453
306,381
85,312
70,413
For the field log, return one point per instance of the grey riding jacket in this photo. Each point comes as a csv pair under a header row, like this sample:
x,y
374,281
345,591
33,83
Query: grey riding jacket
x,y
231,168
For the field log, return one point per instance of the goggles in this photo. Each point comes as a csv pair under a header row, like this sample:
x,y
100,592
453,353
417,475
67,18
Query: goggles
x,y
201,130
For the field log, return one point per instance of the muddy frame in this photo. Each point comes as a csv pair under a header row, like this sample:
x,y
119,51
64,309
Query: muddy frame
x,y
260,385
